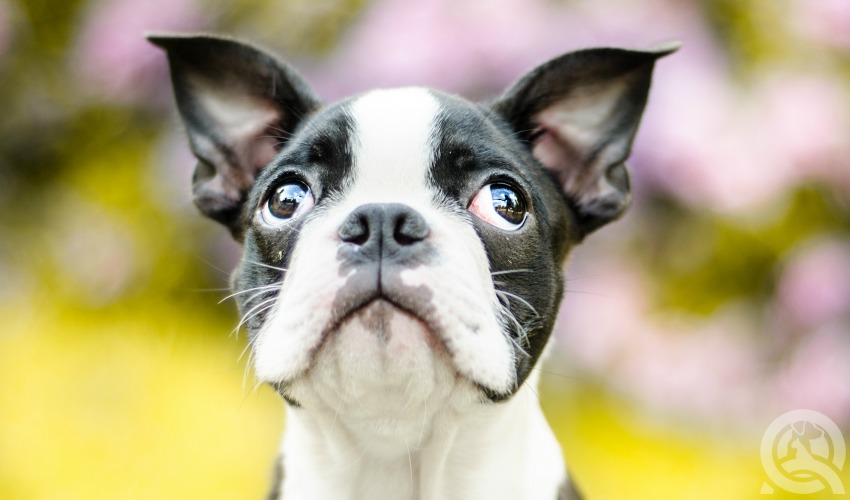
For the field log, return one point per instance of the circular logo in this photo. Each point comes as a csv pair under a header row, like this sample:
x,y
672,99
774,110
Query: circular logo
x,y
803,452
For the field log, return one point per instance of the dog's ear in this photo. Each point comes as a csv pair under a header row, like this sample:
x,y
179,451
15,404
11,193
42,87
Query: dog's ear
x,y
579,114
239,105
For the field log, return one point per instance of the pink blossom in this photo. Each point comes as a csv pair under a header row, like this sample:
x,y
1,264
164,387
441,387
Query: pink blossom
x,y
825,21
717,368
601,315
454,46
730,149
112,57
815,286
816,376
676,365
706,368
804,114
480,46
704,141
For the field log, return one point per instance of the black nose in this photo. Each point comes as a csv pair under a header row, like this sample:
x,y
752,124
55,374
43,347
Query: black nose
x,y
384,230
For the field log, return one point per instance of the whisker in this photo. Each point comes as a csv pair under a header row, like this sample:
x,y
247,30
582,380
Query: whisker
x,y
249,345
253,389
410,463
533,391
582,277
253,312
522,300
266,265
248,290
336,413
210,264
516,344
248,363
521,331
222,289
509,271
588,293
556,374
258,294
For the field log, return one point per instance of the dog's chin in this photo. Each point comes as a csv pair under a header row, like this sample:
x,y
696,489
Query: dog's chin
x,y
380,358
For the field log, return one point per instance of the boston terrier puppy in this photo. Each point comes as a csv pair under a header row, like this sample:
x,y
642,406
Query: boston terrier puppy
x,y
402,258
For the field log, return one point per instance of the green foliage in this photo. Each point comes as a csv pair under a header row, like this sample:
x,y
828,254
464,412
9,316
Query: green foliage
x,y
701,261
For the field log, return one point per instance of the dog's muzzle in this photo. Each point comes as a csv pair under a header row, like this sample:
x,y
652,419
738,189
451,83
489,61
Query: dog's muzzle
x,y
378,242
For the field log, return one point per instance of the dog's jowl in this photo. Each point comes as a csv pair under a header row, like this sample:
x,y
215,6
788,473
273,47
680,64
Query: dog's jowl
x,y
403,252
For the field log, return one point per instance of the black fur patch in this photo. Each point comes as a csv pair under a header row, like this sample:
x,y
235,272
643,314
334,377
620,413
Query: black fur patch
x,y
473,147
568,491
276,492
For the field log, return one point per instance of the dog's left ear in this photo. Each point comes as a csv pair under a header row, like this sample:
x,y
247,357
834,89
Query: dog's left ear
x,y
579,113
240,105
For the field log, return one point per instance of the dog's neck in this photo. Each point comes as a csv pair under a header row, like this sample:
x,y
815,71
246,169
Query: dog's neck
x,y
497,451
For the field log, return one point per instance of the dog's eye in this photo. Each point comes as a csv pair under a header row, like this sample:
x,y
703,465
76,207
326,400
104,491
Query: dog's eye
x,y
289,200
500,205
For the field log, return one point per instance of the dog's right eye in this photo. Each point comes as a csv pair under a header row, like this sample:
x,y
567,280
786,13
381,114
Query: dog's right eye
x,y
288,201
501,205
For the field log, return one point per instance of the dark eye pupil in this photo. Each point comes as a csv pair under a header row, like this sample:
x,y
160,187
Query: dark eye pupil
x,y
285,201
508,203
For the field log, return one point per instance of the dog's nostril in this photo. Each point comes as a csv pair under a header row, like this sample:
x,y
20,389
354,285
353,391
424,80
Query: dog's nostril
x,y
410,227
355,230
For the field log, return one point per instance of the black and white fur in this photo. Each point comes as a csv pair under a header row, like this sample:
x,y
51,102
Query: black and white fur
x,y
395,312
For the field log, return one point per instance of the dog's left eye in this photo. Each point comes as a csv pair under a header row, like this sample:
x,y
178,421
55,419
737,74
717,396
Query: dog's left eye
x,y
501,205
289,200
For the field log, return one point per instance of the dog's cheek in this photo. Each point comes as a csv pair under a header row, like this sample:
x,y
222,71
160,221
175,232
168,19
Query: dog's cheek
x,y
257,278
285,344
465,305
524,268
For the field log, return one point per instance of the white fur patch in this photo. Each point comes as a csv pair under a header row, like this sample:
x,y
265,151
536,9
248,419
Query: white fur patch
x,y
393,148
456,451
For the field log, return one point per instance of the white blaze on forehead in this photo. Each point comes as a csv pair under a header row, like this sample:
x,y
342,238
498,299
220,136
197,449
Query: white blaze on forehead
x,y
392,144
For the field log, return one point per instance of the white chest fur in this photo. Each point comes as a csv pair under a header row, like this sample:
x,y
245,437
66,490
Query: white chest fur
x,y
496,451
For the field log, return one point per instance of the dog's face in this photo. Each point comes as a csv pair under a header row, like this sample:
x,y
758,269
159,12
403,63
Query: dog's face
x,y
404,245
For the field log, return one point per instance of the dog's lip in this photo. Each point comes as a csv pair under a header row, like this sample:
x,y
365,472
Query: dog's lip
x,y
377,296
436,340
434,332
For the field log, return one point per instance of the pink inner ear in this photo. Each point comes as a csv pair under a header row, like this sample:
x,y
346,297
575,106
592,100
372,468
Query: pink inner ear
x,y
252,136
547,151
559,157
244,123
263,149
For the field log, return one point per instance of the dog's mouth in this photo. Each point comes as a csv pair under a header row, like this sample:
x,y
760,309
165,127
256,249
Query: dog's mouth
x,y
375,311
382,325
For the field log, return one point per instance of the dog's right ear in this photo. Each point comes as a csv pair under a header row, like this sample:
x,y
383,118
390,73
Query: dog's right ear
x,y
239,105
579,114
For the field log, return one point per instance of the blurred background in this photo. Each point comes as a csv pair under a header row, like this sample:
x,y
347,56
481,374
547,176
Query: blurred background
x,y
721,301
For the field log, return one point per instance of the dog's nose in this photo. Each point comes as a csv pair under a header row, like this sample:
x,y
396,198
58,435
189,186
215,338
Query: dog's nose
x,y
382,230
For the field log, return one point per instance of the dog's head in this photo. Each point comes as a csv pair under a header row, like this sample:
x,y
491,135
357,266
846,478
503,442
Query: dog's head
x,y
404,242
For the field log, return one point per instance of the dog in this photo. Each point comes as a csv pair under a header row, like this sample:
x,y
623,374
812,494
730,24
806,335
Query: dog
x,y
402,258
